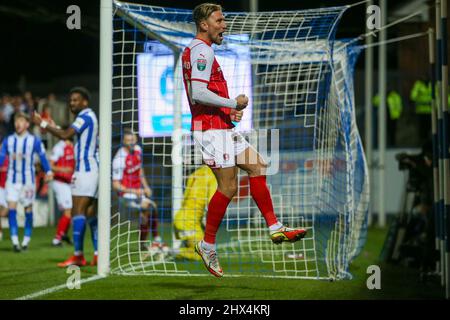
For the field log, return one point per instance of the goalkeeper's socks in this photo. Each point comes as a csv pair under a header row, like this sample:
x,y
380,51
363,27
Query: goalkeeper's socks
x,y
93,223
28,224
261,194
216,210
63,226
79,228
13,229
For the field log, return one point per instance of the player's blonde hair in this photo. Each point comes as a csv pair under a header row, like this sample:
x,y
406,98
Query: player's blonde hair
x,y
23,115
203,11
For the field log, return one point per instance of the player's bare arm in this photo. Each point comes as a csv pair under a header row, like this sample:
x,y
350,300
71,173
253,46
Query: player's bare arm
x,y
59,133
144,183
119,187
60,169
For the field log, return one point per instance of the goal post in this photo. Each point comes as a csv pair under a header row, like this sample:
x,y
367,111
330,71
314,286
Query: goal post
x,y
105,128
299,80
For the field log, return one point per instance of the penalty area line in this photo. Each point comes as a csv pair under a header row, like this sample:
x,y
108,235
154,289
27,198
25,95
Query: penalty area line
x,y
56,288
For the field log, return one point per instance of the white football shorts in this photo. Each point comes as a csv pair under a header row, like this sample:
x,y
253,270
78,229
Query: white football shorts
x,y
219,148
85,184
21,193
132,202
3,202
63,195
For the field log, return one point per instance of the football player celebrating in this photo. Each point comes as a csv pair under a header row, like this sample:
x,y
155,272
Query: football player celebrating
x,y
85,179
21,147
223,149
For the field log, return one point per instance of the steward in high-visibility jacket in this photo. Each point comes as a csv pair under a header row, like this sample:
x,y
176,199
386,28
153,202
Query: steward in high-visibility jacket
x,y
394,103
421,96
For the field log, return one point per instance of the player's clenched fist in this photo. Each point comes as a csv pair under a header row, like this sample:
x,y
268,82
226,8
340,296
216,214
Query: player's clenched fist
x,y
242,102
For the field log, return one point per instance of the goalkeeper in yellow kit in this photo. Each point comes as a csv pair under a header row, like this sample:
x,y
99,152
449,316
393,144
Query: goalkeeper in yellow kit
x,y
200,187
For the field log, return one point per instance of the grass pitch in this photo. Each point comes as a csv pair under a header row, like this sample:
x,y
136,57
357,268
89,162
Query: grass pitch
x,y
35,270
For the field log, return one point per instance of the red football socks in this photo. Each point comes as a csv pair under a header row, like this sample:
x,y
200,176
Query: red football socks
x,y
261,194
216,210
63,226
144,227
154,225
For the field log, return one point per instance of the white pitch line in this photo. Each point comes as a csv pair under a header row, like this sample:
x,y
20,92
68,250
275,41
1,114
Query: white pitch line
x,y
56,288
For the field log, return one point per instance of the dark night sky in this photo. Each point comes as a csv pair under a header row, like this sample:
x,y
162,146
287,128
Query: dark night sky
x,y
37,44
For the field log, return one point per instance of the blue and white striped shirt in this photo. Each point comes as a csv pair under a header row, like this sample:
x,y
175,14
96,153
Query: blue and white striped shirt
x,y
86,126
21,150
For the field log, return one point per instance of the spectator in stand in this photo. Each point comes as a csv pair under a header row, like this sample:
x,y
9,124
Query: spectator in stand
x,y
59,111
5,111
29,102
6,107
45,115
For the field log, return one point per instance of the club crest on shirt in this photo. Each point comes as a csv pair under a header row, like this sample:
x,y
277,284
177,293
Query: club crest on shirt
x,y
201,64
226,156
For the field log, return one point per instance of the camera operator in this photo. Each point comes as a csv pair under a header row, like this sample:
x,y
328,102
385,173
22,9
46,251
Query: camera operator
x,y
418,245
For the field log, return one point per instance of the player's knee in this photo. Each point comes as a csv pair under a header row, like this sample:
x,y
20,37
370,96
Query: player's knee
x,y
230,189
254,170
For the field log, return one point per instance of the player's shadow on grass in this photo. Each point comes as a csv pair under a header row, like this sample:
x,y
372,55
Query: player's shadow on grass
x,y
208,289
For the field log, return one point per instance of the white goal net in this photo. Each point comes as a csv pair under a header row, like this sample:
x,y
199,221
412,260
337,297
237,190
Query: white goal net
x,y
301,116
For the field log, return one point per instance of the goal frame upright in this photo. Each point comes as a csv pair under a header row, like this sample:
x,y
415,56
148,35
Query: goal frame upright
x,y
105,134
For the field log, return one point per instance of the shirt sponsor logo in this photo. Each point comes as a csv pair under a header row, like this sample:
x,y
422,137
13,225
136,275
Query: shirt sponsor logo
x,y
201,64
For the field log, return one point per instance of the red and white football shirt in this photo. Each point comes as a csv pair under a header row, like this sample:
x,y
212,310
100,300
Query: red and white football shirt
x,y
199,64
4,172
63,155
127,167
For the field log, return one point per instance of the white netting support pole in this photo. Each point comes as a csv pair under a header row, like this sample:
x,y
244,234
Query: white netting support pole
x,y
254,5
445,110
177,141
441,162
368,71
105,132
382,118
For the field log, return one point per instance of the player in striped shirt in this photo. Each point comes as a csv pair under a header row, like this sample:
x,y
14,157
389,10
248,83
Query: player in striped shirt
x,y
62,161
21,147
85,179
